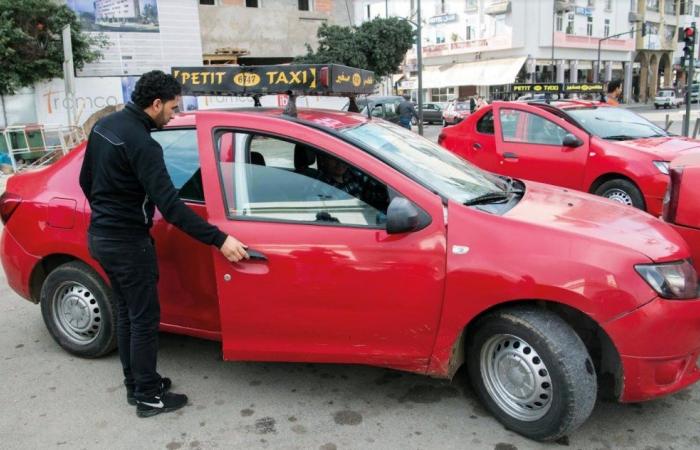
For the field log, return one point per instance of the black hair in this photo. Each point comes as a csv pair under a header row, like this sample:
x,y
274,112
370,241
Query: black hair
x,y
155,84
614,84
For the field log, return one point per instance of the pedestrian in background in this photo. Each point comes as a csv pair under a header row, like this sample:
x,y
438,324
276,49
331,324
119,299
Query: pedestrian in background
x,y
614,93
406,112
124,178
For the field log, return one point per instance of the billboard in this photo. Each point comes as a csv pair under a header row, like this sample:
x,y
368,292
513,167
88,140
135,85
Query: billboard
x,y
142,35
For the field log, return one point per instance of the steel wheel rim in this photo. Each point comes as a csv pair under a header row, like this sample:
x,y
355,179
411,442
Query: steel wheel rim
x,y
516,378
76,312
618,195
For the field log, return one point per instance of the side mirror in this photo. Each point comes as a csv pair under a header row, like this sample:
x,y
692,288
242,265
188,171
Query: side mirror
x,y
402,216
571,141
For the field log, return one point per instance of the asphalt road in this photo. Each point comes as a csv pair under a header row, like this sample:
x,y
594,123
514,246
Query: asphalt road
x,y
50,399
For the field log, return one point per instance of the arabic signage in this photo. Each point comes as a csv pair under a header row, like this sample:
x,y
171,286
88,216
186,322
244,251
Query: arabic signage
x,y
327,79
584,87
443,18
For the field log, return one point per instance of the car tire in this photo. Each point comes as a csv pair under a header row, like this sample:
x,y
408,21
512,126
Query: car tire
x,y
621,191
78,310
541,352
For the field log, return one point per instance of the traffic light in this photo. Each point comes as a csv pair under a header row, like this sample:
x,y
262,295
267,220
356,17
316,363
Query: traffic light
x,y
644,29
689,40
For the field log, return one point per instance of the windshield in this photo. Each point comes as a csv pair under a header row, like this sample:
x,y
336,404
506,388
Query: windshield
x,y
429,163
614,123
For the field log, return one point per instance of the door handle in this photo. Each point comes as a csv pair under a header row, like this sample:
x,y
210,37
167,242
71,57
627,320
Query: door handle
x,y
476,146
510,155
256,255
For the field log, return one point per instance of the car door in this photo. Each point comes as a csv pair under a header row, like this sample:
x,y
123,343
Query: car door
x,y
529,145
186,289
326,283
481,141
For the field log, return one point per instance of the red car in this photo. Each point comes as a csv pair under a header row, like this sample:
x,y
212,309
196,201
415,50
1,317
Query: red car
x,y
455,112
587,146
682,202
543,292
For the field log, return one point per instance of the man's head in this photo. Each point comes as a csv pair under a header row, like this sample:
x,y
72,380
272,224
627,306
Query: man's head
x,y
332,167
158,94
406,96
615,88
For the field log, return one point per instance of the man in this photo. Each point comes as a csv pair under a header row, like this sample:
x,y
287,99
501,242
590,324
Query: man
x,y
472,105
124,178
406,111
336,173
614,93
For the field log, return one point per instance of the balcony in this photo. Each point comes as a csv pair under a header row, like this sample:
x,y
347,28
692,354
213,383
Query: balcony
x,y
564,5
464,47
496,7
564,40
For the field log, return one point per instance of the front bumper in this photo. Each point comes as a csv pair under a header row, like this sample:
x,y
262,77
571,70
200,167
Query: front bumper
x,y
18,264
659,346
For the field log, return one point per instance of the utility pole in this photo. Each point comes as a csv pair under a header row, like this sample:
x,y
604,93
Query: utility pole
x,y
68,73
554,16
689,52
420,73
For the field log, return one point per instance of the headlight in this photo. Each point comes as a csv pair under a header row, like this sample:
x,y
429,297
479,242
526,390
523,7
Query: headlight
x,y
662,166
677,280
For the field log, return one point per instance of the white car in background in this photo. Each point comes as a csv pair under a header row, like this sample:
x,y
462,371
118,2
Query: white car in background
x,y
667,98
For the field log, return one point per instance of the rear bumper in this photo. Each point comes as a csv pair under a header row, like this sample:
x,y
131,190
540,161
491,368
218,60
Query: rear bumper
x,y
18,264
659,346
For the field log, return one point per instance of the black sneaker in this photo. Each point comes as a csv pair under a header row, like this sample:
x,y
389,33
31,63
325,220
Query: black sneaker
x,y
164,387
160,404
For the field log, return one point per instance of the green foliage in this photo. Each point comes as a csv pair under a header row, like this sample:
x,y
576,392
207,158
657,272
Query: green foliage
x,y
378,45
31,48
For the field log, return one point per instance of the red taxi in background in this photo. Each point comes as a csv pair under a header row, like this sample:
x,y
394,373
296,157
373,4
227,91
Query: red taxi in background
x,y
682,202
455,112
587,146
549,296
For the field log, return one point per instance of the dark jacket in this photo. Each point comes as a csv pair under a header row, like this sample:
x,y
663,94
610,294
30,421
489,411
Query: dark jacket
x,y
407,110
124,178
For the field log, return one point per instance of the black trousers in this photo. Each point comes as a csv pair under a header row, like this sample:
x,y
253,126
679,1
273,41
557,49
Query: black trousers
x,y
132,268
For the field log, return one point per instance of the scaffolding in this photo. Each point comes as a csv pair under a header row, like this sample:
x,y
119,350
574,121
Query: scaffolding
x,y
33,146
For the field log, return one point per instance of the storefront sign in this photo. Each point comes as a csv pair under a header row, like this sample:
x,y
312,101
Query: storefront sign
x,y
584,11
584,88
443,18
542,88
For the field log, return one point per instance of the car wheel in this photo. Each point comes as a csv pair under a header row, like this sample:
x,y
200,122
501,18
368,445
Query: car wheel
x,y
621,191
78,310
532,372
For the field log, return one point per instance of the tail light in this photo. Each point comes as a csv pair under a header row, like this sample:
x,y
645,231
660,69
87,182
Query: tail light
x,y
8,203
672,194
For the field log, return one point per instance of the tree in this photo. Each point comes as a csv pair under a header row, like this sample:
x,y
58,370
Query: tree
x,y
31,48
379,45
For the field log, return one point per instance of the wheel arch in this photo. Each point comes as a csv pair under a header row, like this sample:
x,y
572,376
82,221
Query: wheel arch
x,y
601,348
46,265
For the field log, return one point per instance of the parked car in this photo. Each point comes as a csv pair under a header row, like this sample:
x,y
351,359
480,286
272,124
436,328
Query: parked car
x,y
382,106
682,202
432,113
583,145
548,295
667,98
455,112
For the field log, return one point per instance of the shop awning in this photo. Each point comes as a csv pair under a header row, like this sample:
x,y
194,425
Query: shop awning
x,y
480,73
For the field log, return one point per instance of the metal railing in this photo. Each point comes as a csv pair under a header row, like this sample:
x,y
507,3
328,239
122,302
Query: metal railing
x,y
32,146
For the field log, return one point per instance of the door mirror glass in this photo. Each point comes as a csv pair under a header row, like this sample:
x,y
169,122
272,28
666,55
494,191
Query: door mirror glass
x,y
571,141
402,216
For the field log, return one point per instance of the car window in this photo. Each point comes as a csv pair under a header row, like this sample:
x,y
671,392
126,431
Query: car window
x,y
391,109
378,111
181,157
522,126
485,124
291,181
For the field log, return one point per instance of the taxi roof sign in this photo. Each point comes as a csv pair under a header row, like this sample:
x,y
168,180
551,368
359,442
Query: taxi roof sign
x,y
301,79
557,88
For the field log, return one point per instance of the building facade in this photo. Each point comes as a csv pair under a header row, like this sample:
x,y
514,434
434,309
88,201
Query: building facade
x,y
482,46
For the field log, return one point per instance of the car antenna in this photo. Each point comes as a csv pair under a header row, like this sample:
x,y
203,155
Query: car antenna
x,y
256,100
353,105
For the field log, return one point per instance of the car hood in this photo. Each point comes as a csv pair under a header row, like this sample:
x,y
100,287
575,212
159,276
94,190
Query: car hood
x,y
596,218
664,148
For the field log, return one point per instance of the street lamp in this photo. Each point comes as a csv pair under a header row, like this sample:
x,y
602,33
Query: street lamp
x,y
419,55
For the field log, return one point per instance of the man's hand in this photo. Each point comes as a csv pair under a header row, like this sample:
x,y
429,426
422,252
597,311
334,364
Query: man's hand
x,y
233,249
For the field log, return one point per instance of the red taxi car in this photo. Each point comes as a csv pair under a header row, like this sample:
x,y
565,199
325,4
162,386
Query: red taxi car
x,y
682,202
587,146
548,295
